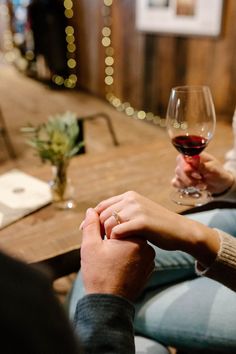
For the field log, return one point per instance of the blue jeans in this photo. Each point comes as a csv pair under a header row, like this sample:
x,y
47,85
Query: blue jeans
x,y
188,312
179,309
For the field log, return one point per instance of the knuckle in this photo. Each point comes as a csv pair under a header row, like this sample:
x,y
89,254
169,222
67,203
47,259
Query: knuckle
x,y
141,222
140,211
178,182
106,224
178,158
137,247
177,170
174,182
100,205
103,217
131,195
187,169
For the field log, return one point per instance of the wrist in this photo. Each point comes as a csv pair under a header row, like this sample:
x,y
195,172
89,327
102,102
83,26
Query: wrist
x,y
203,243
227,186
107,288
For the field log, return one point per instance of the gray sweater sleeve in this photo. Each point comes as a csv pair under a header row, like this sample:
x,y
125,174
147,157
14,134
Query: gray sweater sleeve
x,y
223,269
105,324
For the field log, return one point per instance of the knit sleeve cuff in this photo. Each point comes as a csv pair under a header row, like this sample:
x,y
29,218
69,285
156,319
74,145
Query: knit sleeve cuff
x,y
226,255
105,324
105,302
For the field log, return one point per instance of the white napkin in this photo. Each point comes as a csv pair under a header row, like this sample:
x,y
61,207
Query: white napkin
x,y
19,190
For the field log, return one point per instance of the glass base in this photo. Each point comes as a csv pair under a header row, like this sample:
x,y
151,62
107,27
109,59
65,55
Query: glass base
x,y
66,204
191,196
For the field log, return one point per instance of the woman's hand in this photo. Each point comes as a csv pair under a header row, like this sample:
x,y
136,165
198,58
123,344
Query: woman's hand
x,y
132,215
205,171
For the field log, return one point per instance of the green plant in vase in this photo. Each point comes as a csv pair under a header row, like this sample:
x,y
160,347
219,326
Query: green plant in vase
x,y
56,141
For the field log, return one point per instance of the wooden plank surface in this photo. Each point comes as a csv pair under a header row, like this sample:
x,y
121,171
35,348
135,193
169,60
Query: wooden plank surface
x,y
144,162
49,232
145,168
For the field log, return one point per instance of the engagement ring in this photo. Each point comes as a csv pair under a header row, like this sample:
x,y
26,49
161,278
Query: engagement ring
x,y
117,217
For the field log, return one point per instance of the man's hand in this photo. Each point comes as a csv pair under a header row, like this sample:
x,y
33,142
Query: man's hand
x,y
109,266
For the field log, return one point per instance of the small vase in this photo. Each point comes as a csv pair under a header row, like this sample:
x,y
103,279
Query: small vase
x,y
61,188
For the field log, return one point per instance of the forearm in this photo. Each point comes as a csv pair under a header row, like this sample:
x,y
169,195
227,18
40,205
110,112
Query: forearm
x,y
176,232
214,250
202,242
105,324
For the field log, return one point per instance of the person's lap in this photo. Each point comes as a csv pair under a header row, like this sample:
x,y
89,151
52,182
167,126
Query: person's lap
x,y
191,315
177,307
224,219
143,345
182,310
174,266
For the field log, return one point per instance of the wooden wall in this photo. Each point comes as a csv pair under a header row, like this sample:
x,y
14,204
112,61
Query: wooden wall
x,y
148,65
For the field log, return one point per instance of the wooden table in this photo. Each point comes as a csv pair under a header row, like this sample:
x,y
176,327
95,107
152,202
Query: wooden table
x,y
53,236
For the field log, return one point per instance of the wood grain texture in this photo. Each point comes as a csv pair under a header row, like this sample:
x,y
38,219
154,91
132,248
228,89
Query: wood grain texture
x,y
49,232
148,65
144,162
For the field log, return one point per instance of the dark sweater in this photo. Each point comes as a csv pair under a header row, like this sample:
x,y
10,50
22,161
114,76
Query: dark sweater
x,y
32,321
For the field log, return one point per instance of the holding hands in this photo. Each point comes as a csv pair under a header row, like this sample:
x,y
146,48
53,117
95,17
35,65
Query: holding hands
x,y
122,267
132,215
113,266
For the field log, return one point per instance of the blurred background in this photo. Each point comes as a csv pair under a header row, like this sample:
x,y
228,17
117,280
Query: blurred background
x,y
78,44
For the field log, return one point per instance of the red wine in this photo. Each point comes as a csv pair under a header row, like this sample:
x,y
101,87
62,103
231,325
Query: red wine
x,y
189,145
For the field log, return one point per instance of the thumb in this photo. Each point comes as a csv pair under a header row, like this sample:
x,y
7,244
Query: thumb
x,y
91,228
208,164
193,161
205,157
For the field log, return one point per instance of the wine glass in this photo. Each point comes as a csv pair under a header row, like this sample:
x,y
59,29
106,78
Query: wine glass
x,y
190,125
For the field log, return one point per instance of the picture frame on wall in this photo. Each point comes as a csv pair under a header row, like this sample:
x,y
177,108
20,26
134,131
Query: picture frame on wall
x,y
180,17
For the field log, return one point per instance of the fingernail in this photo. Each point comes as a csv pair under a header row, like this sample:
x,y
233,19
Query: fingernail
x,y
89,211
196,175
81,225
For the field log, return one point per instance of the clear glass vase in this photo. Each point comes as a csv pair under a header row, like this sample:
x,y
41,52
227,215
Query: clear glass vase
x,y
61,187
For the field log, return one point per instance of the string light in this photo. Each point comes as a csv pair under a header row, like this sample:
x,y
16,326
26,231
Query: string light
x,y
12,55
71,80
7,38
109,72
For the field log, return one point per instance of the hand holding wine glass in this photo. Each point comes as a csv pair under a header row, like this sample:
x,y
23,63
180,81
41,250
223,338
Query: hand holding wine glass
x,y
217,179
190,125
